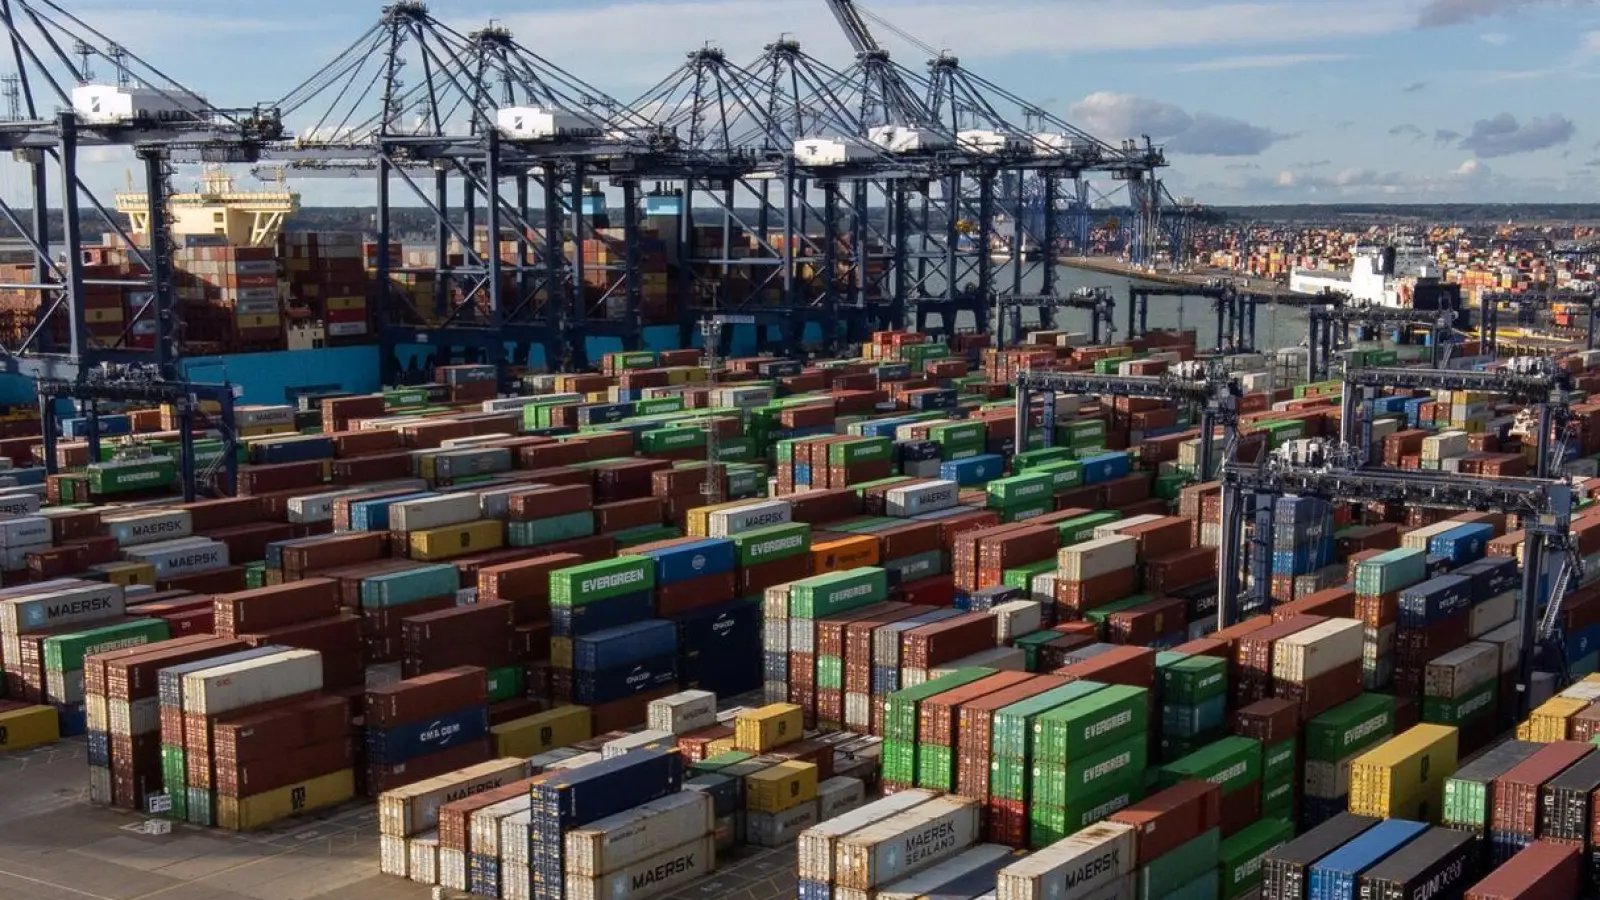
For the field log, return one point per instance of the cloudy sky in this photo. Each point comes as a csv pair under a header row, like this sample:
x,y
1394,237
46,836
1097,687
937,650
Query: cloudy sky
x,y
1270,101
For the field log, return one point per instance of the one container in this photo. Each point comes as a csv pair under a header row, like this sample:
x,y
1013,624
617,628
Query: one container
x,y
1542,870
663,873
918,837
1095,858
818,846
652,828
218,690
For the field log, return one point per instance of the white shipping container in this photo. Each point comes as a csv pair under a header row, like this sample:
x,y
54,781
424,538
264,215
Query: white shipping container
x,y
1091,559
452,869
149,527
422,858
761,514
1004,659
1491,614
133,718
1587,691
180,556
1016,618
1444,444
660,874
839,795
221,689
637,740
619,841
682,712
393,858
1096,857
1459,671
1123,889
1417,539
906,842
433,512
1508,638
1321,648
25,531
815,847
576,762
66,601
929,496
406,811
779,829
485,825
251,416
1121,526
514,840
929,880
19,502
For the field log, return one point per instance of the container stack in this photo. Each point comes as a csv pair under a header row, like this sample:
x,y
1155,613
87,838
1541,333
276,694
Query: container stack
x,y
1177,840
32,614
1334,740
1193,703
1405,775
425,726
408,816
594,597
1235,764
1528,804
1378,581
1089,761
1302,547
862,852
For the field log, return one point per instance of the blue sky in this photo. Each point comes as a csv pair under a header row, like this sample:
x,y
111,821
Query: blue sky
x,y
1271,101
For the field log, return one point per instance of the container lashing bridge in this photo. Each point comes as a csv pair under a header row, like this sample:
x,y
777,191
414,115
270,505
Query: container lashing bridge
x,y
1544,506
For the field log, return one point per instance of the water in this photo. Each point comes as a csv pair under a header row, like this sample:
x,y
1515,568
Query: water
x,y
1275,326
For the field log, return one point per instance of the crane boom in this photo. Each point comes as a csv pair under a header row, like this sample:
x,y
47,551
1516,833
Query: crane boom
x,y
855,27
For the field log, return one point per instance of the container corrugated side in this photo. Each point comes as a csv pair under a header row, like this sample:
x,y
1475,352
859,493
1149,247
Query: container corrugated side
x,y
414,808
660,874
245,813
652,828
214,691
918,837
1093,859
817,845
947,879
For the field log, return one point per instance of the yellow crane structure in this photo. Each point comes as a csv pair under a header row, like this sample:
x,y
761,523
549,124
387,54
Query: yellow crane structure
x,y
217,209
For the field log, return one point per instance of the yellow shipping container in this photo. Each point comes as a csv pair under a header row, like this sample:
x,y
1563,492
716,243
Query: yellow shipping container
x,y
127,574
1404,776
271,321
780,788
247,813
266,430
1553,719
699,522
721,745
30,726
457,540
542,732
346,302
844,554
769,727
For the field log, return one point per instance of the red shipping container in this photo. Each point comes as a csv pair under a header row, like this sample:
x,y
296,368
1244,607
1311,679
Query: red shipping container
x,y
696,593
941,642
271,607
939,591
622,515
1075,598
1516,793
1268,721
1165,821
1182,569
1146,623
543,503
426,696
1133,666
1543,870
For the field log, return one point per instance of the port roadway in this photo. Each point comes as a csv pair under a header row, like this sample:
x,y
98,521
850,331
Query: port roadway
x,y
55,845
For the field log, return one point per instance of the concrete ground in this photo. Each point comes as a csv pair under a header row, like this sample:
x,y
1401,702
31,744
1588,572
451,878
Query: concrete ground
x,y
55,845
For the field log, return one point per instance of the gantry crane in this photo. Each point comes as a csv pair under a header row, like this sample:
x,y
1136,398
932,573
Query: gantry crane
x,y
1322,338
1100,302
1215,393
1529,305
1544,505
1235,311
1542,386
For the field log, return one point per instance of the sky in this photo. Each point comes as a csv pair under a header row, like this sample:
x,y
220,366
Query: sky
x,y
1270,101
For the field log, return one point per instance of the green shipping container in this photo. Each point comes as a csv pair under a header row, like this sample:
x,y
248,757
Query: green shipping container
x,y
1064,475
255,576
505,683
900,762
1076,531
645,534
65,652
1030,459
1190,681
596,581
766,545
1011,729
403,399
1022,577
1022,512
830,673
666,440
175,780
1241,854
535,532
1093,723
1277,797
1350,728
1475,705
656,406
1054,784
1019,488
1233,763
1049,824
720,761
846,453
900,708
821,596
1029,644
963,433
1087,432
1278,760
117,478
936,766
1172,870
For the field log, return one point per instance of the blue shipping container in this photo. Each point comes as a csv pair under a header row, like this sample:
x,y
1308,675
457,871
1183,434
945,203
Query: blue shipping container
x,y
592,792
779,368
401,743
988,598
1335,876
110,426
302,449
1433,600
1463,544
894,372
1102,467
573,621
591,688
685,562
916,451
604,413
732,628
943,399
914,568
973,470
1292,510
624,646
1491,576
28,476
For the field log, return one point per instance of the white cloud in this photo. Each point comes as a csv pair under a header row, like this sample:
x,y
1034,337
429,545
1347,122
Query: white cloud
x,y
1495,38
1114,116
1270,61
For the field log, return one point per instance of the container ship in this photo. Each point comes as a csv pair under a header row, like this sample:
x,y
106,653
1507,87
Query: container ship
x,y
609,634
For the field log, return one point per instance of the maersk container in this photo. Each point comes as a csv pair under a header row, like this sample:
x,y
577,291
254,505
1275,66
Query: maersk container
x,y
1092,860
149,527
1434,600
1092,559
618,841
414,808
729,522
585,584
973,470
434,512
666,872
25,531
818,847
402,743
1463,543
624,646
969,874
1337,875
66,601
311,508
683,712
921,836
928,496
1390,571
410,586
218,690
